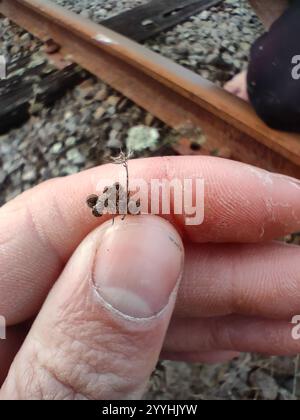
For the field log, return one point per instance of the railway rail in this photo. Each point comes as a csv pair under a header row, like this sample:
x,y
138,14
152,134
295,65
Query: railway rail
x,y
172,93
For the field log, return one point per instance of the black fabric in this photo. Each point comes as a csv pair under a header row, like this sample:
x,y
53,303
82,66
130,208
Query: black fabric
x,y
273,89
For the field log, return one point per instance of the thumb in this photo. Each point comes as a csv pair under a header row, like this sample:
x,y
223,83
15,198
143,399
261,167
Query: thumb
x,y
101,329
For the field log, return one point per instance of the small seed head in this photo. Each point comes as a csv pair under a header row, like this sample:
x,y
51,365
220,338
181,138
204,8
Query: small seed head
x,y
91,201
95,212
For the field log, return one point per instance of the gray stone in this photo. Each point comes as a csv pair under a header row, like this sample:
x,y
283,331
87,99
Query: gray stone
x,y
70,141
29,174
75,156
56,148
3,176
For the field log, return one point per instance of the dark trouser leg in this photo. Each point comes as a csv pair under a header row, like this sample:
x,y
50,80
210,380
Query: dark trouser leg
x,y
273,83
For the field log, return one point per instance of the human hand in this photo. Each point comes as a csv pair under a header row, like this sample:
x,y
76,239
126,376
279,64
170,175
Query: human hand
x,y
103,325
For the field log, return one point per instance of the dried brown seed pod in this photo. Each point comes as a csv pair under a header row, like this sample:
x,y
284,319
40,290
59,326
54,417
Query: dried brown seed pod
x,y
91,201
96,213
115,198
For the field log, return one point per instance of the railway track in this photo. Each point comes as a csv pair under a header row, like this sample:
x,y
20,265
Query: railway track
x,y
172,93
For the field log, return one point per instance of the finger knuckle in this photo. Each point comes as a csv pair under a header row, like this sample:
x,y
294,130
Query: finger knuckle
x,y
74,368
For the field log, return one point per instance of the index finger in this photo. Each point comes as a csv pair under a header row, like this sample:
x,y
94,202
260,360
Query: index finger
x,y
41,228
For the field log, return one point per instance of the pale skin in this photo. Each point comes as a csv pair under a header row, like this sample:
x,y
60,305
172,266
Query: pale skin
x,y
268,12
239,290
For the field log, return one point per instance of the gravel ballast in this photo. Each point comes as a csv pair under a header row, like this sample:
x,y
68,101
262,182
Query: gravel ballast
x,y
215,43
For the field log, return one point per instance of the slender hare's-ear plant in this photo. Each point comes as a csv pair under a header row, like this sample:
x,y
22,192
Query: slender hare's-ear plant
x,y
114,200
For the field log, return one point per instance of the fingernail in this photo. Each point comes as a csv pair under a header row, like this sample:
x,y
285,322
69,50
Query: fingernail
x,y
138,265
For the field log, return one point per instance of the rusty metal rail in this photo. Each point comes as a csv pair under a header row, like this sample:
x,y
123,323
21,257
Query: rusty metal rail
x,y
174,94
